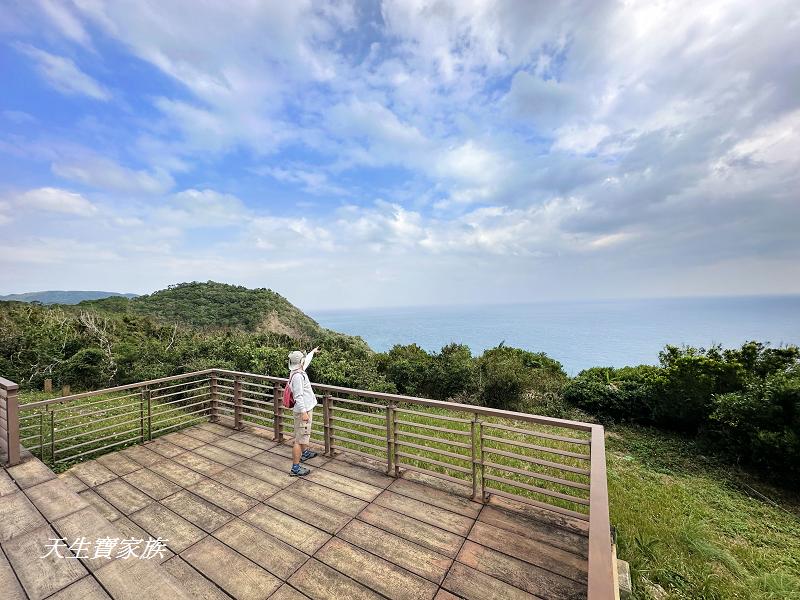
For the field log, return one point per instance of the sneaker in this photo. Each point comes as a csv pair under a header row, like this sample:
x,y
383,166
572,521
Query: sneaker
x,y
307,455
299,471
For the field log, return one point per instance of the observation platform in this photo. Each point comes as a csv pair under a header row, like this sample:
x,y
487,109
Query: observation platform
x,y
236,525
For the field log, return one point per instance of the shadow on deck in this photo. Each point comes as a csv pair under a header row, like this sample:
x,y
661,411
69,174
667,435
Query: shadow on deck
x,y
237,525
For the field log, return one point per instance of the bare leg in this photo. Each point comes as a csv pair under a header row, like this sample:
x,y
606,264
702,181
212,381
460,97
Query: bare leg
x,y
296,454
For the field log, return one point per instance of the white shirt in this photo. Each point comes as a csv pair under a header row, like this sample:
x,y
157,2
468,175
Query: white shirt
x,y
303,393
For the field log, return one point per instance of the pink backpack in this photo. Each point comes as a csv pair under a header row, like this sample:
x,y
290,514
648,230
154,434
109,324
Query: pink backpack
x,y
288,397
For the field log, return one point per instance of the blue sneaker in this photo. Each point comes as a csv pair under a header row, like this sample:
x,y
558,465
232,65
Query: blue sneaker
x,y
307,455
298,471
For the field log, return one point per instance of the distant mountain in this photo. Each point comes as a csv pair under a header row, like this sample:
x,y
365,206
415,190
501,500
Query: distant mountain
x,y
62,297
216,305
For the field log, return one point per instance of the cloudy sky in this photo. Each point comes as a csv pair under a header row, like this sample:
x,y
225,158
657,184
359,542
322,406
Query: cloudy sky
x,y
401,152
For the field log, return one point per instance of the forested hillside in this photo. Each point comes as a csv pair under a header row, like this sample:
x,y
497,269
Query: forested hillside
x,y
215,305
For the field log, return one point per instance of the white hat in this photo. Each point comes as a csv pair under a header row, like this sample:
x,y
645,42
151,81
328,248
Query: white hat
x,y
295,360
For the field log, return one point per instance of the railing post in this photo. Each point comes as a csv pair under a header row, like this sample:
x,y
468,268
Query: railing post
x,y
149,402
237,403
277,413
475,441
41,435
326,421
12,424
390,438
395,458
480,464
52,436
141,415
214,417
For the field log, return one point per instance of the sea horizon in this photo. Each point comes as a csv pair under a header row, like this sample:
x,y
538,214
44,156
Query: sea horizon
x,y
579,333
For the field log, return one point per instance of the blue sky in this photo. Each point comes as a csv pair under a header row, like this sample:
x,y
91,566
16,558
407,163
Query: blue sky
x,y
352,154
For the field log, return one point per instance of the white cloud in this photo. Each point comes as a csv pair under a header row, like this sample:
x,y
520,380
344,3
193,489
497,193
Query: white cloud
x,y
202,208
56,200
64,75
105,174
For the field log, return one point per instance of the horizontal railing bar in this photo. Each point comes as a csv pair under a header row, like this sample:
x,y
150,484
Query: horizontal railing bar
x,y
188,414
358,402
224,394
457,480
537,489
93,421
430,438
359,423
171,410
358,443
358,412
181,425
480,410
200,387
552,507
578,455
366,435
377,458
433,461
179,400
246,408
434,450
98,412
89,404
95,440
118,388
182,383
536,461
465,433
254,400
535,475
542,434
93,450
246,391
258,385
434,416
106,428
224,387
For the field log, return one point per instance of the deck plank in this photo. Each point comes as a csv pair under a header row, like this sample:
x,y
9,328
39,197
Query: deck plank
x,y
426,513
318,581
532,551
123,496
176,473
194,509
338,501
321,517
412,557
470,584
536,529
186,442
359,473
152,483
198,463
269,474
237,447
246,484
193,582
436,497
159,521
223,496
378,574
270,553
532,579
237,575
297,533
424,534
344,484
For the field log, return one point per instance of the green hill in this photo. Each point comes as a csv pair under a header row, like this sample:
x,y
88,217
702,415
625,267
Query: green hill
x,y
216,305
61,296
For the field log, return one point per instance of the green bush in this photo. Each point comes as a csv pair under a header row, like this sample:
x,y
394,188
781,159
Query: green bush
x,y
507,374
626,394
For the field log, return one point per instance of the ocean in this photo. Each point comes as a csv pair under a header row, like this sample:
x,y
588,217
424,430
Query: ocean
x,y
580,334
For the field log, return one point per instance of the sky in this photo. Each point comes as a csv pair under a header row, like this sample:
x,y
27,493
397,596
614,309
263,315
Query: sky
x,y
410,152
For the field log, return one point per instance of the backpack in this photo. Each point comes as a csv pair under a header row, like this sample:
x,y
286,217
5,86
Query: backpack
x,y
288,397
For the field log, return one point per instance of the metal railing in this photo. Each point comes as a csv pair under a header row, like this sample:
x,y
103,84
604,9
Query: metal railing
x,y
553,464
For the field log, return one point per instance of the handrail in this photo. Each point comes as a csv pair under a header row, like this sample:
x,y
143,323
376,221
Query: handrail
x,y
480,410
581,489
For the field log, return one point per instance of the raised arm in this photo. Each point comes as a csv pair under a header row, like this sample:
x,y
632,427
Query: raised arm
x,y
308,357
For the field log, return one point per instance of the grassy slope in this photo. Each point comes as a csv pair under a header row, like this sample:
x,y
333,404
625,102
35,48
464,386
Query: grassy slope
x,y
697,527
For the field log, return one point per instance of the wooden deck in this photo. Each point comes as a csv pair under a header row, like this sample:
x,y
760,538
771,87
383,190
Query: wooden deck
x,y
237,525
